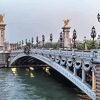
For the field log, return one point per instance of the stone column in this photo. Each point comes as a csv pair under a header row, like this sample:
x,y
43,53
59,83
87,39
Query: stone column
x,y
93,80
2,36
66,39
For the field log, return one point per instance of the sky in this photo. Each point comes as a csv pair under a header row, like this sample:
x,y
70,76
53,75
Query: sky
x,y
31,18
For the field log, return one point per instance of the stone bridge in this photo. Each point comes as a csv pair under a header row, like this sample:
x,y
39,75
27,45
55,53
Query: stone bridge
x,y
82,68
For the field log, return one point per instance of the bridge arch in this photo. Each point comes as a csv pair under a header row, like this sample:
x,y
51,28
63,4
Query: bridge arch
x,y
74,79
25,60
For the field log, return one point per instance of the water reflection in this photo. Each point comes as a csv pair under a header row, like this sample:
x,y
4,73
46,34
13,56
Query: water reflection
x,y
26,84
46,69
31,68
14,71
32,75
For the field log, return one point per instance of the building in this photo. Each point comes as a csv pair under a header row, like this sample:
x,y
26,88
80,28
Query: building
x,y
13,46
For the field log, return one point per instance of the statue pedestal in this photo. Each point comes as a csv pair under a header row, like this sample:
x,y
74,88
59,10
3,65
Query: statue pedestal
x,y
2,36
66,39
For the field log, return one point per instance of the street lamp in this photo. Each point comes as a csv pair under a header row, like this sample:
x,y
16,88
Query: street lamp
x,y
43,39
98,17
93,35
26,41
74,38
61,40
29,43
85,46
37,40
22,43
51,38
32,40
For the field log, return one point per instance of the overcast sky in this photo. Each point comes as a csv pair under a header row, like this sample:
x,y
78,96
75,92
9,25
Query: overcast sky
x,y
27,18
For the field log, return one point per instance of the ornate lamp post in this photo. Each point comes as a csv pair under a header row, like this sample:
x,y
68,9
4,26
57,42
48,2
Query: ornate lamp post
x,y
98,17
74,38
61,40
37,40
22,43
51,38
32,41
26,41
85,45
93,35
43,39
29,44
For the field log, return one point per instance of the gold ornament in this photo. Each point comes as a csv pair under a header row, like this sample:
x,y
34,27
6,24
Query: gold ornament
x,y
66,22
1,19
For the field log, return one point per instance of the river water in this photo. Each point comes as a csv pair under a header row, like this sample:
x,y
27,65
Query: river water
x,y
25,84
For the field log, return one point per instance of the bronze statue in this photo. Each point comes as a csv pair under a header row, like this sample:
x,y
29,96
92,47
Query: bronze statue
x,y
1,19
66,22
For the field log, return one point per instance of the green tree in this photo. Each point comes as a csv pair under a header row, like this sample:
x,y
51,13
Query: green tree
x,y
80,46
90,44
54,45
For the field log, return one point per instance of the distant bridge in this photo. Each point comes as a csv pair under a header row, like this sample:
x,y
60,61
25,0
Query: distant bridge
x,y
77,66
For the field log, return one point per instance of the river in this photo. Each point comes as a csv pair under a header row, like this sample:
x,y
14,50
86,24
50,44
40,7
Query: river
x,y
25,84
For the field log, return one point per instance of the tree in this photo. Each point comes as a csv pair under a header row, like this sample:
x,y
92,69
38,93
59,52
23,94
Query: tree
x,y
55,45
89,44
80,46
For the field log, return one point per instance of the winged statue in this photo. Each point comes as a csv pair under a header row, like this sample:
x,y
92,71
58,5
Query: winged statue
x,y
66,22
1,19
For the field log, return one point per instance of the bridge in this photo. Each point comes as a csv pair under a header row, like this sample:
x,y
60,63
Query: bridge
x,y
80,67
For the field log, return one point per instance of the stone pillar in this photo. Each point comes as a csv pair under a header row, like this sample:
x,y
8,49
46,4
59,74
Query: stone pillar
x,y
2,33
66,39
93,80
